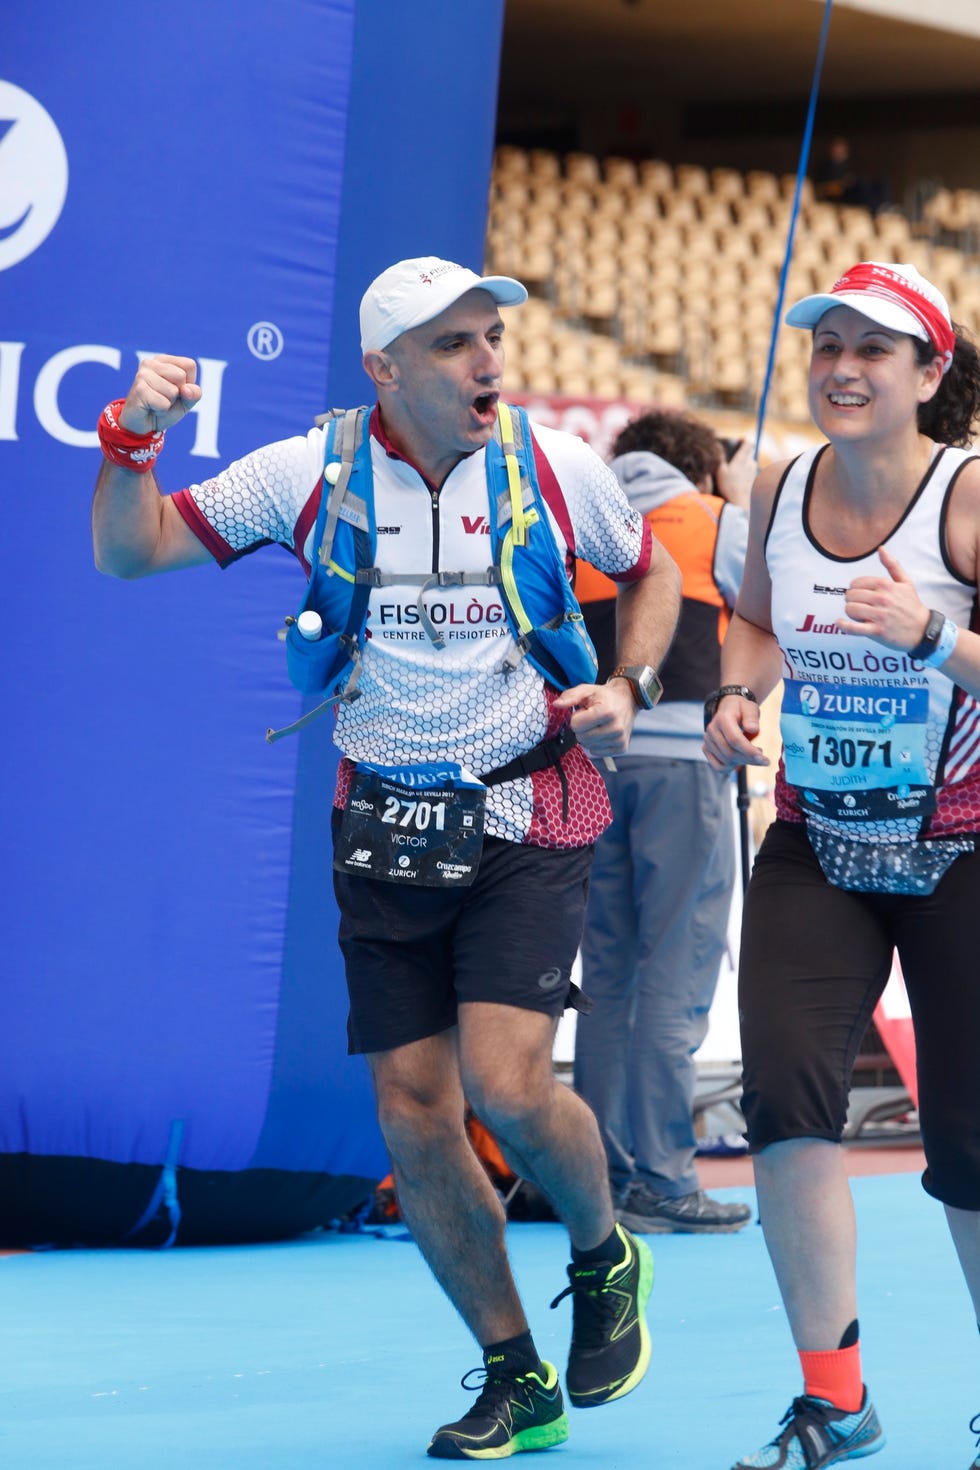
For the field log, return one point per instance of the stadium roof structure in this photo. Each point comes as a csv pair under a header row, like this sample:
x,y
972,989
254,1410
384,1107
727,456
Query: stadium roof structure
x,y
753,48
733,76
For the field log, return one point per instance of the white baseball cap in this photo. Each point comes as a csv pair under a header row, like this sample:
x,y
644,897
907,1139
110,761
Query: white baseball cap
x,y
895,296
415,291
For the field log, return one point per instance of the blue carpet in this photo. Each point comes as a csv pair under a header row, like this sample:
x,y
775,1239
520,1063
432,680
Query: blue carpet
x,y
339,1351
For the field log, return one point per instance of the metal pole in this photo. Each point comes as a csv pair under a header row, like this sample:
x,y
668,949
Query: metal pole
x,y
743,802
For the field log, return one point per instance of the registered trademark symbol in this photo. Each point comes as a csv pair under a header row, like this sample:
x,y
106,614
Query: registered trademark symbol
x,y
265,341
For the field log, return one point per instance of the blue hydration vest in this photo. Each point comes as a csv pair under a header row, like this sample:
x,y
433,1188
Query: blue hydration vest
x,y
543,615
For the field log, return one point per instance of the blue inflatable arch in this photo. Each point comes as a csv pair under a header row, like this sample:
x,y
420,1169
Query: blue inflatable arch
x,y
172,1013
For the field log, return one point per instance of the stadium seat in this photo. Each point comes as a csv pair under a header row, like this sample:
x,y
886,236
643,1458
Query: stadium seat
x,y
727,183
655,279
544,164
582,168
655,175
691,178
619,171
761,185
509,161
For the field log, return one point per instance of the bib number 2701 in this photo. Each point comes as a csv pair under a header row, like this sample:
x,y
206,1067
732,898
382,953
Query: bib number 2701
x,y
419,815
419,825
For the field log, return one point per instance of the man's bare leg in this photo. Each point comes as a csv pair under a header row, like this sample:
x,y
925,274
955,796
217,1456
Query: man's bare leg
x,y
443,1191
540,1124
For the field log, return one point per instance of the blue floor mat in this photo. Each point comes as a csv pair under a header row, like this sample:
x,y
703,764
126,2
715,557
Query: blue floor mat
x,y
339,1351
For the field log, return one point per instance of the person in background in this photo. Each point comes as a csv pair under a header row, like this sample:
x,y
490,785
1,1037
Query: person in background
x,y
860,593
657,920
459,958
837,181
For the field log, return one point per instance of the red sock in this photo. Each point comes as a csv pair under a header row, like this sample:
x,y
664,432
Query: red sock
x,y
835,1376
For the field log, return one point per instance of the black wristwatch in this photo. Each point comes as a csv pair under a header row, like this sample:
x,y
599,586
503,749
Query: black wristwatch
x,y
934,627
643,681
714,699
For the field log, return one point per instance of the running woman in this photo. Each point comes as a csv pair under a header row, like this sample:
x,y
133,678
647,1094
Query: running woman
x,y
860,593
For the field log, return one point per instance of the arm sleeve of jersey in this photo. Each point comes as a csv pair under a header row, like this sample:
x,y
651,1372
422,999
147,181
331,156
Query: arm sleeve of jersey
x,y
730,548
608,531
223,554
264,497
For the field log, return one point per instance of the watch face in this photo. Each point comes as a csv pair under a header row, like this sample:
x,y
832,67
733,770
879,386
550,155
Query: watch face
x,y
649,686
643,681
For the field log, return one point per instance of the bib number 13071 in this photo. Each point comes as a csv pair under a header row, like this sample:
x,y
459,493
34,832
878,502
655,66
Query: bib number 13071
x,y
831,750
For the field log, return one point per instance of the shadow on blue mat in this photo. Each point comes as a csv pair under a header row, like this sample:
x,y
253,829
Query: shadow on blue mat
x,y
338,1351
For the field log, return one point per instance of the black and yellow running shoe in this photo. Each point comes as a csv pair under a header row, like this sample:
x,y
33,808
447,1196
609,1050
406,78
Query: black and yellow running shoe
x,y
515,1412
610,1349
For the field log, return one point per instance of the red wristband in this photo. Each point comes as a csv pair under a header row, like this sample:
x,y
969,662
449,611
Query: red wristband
x,y
130,451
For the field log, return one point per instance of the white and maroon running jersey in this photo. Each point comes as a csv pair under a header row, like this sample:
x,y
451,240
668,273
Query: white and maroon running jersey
x,y
421,703
857,685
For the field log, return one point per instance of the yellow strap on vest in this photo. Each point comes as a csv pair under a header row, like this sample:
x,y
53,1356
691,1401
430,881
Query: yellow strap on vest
x,y
507,580
333,570
519,521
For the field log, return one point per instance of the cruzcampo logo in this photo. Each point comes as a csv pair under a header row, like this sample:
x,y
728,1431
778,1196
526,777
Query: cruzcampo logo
x,y
33,174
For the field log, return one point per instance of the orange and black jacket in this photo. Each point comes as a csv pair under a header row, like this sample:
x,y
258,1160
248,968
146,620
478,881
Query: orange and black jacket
x,y
706,538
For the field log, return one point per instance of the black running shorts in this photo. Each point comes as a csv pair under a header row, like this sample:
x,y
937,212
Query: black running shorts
x,y
813,963
412,954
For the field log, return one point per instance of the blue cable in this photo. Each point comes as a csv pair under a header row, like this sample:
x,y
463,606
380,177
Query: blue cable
x,y
800,177
164,1197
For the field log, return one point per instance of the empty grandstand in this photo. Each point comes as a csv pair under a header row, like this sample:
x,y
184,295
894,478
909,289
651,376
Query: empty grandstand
x,y
645,177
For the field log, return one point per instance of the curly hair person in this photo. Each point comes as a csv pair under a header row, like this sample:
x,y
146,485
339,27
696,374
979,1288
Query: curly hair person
x,y
690,446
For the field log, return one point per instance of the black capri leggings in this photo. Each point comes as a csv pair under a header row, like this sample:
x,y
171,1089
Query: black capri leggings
x,y
813,963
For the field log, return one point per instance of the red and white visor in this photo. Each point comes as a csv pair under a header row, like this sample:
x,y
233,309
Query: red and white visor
x,y
894,296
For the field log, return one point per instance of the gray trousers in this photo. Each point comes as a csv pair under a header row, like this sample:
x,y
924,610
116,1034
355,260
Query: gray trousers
x,y
655,933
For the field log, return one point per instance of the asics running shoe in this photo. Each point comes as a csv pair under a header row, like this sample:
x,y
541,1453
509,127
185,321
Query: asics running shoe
x,y
610,1349
817,1434
697,1213
515,1412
